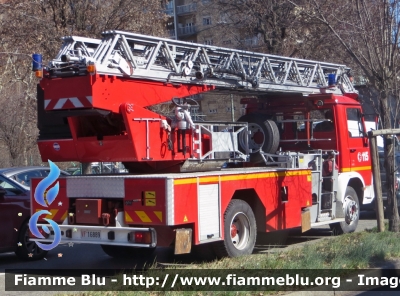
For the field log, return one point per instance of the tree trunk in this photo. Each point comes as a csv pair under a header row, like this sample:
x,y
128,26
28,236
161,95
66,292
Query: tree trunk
x,y
87,168
392,211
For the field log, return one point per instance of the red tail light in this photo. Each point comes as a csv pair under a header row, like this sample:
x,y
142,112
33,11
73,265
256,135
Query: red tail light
x,y
140,237
143,237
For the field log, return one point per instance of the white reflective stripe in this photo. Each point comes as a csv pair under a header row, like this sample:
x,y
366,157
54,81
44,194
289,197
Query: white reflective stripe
x,y
169,188
89,98
76,102
60,103
46,103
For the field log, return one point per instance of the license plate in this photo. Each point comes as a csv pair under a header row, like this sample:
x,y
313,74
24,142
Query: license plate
x,y
90,234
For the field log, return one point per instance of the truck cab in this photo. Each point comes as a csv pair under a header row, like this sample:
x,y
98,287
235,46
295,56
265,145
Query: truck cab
x,y
292,122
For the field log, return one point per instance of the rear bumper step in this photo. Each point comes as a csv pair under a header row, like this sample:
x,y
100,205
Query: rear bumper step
x,y
327,222
118,236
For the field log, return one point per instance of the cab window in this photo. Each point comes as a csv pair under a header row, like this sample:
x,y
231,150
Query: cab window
x,y
326,123
354,123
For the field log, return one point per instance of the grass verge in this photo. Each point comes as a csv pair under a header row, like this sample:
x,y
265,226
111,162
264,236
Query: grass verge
x,y
361,250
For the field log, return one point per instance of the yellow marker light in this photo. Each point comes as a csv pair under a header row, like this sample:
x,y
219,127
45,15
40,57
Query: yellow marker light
x,y
91,68
39,73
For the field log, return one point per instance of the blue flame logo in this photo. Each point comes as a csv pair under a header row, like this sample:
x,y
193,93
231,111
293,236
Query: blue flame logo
x,y
45,199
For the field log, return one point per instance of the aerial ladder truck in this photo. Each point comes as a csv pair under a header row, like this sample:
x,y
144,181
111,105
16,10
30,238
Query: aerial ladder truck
x,y
197,183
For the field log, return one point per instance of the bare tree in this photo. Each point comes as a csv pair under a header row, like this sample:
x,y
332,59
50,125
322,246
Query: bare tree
x,y
270,26
16,132
368,31
262,24
29,26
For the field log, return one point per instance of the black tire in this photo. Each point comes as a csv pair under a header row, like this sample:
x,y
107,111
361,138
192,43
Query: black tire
x,y
351,209
127,252
28,250
240,231
264,136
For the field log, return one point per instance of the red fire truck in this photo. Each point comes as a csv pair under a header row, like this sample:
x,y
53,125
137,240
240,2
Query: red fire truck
x,y
298,158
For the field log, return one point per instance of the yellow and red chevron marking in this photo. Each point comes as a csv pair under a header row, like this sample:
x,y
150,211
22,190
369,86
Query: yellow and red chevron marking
x,y
56,215
68,103
155,217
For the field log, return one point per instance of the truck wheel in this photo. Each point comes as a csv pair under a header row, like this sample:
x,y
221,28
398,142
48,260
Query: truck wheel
x,y
264,136
125,252
351,209
240,231
28,250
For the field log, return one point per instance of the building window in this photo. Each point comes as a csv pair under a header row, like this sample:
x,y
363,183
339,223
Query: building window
x,y
223,17
170,8
206,20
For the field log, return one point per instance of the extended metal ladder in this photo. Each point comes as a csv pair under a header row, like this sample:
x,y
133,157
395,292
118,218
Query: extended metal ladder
x,y
171,61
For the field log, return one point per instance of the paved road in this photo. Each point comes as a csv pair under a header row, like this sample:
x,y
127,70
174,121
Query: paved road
x,y
92,256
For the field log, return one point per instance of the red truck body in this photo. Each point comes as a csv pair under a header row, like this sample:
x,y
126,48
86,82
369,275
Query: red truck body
x,y
193,183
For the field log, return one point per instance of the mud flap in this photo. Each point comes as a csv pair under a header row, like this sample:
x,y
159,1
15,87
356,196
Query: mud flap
x,y
183,241
305,220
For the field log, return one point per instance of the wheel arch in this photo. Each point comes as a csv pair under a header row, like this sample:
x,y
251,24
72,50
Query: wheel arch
x,y
240,227
28,250
251,197
354,180
25,221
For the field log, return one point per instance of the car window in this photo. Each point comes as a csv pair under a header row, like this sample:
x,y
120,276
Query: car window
x,y
11,189
21,178
397,163
382,165
45,173
381,162
25,178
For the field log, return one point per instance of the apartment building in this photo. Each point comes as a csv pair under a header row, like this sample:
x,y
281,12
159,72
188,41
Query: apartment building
x,y
204,22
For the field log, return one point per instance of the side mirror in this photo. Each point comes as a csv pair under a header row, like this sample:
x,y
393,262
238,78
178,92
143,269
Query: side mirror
x,y
365,140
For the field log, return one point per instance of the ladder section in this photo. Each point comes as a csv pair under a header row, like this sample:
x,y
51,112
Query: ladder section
x,y
151,58
75,49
